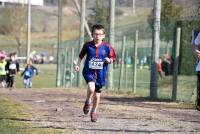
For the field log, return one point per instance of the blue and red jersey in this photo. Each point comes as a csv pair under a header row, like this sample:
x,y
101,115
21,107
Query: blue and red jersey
x,y
95,67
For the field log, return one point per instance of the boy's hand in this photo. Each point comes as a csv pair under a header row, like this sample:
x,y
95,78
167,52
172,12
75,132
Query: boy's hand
x,y
76,67
108,60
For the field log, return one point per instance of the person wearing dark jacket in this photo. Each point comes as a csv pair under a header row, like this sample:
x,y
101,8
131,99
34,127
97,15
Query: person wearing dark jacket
x,y
12,68
28,74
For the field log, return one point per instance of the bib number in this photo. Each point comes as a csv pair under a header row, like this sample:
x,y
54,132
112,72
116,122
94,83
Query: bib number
x,y
27,74
96,64
12,66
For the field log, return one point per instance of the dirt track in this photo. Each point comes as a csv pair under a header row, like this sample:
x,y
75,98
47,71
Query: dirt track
x,y
62,109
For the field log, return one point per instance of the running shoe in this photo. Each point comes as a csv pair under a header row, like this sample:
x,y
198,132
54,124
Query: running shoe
x,y
93,116
86,108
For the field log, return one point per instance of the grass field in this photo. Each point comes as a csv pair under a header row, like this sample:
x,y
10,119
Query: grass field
x,y
185,91
13,119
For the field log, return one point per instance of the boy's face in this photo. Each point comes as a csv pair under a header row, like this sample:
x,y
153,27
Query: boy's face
x,y
13,58
98,35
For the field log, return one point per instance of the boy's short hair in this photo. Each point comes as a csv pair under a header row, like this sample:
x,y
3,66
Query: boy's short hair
x,y
12,54
98,27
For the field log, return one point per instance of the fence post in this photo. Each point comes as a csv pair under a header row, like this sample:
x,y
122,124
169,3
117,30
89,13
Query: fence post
x,y
135,61
155,50
81,41
176,63
72,67
59,40
64,66
122,63
111,41
126,70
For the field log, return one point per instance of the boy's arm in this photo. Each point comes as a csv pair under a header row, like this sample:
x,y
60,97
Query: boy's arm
x,y
17,65
23,72
195,49
112,55
36,70
196,52
81,55
7,66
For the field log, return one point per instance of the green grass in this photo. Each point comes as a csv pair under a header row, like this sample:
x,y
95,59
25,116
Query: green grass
x,y
186,90
46,79
14,119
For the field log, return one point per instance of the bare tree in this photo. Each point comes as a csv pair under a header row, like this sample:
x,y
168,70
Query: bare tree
x,y
13,24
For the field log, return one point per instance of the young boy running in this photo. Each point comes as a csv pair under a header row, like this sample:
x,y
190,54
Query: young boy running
x,y
28,74
98,55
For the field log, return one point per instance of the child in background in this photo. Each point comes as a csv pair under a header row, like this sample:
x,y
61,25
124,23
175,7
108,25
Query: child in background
x,y
2,69
159,67
12,68
28,74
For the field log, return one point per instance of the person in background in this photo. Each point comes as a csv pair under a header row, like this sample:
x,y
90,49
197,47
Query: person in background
x,y
196,52
2,69
159,67
28,74
12,68
98,55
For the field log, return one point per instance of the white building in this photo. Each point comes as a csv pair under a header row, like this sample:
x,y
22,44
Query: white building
x,y
33,2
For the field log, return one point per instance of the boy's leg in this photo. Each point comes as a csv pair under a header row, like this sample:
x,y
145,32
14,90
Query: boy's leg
x,y
11,81
8,81
198,91
96,100
25,83
90,92
30,83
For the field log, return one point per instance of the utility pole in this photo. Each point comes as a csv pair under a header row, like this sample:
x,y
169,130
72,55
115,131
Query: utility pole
x,y
81,41
29,32
133,7
111,41
155,48
59,39
135,61
121,75
176,63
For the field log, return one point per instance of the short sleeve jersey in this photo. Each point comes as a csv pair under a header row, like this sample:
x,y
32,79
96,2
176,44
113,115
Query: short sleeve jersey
x,y
100,53
197,39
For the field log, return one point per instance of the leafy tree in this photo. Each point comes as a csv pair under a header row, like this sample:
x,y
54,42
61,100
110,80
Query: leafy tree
x,y
100,14
13,24
170,13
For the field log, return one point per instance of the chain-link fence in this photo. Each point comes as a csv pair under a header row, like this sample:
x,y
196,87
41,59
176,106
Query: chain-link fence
x,y
133,29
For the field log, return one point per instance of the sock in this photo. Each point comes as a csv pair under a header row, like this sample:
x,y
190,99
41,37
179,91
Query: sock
x,y
88,101
93,110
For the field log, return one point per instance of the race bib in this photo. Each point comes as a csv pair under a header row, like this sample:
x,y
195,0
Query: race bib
x,y
96,63
27,73
12,66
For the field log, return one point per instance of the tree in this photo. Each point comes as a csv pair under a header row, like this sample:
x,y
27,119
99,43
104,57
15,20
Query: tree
x,y
170,13
100,14
13,24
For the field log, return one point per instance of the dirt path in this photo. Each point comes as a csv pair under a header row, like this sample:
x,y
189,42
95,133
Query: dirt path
x,y
62,109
